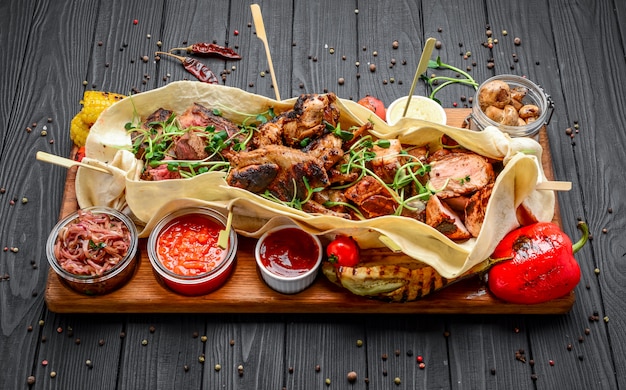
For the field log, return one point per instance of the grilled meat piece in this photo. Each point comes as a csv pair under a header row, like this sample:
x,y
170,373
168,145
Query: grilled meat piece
x,y
371,197
154,123
328,149
459,173
191,146
387,160
441,217
160,172
279,169
202,117
475,210
315,207
307,120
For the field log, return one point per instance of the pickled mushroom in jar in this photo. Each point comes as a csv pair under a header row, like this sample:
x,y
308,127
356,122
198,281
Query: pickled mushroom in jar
x,y
495,93
504,105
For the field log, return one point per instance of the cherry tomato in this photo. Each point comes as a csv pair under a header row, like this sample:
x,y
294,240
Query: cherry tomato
x,y
80,154
375,105
343,251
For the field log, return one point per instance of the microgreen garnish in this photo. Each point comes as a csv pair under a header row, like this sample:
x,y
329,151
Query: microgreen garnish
x,y
438,82
336,130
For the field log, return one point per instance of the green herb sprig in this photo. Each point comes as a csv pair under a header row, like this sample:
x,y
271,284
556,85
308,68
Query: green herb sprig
x,y
437,83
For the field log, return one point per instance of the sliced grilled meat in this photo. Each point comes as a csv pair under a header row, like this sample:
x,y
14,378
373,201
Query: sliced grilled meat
x,y
443,218
202,117
191,146
459,173
475,210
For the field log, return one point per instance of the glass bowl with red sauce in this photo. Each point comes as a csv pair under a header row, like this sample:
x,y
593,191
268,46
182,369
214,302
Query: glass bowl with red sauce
x,y
184,252
288,258
93,250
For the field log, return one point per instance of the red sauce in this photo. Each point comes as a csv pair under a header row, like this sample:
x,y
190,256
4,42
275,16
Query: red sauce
x,y
289,252
188,245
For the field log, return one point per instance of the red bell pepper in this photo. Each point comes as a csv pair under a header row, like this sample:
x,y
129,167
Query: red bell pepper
x,y
542,266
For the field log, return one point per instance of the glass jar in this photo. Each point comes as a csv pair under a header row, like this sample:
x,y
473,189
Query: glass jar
x,y
534,95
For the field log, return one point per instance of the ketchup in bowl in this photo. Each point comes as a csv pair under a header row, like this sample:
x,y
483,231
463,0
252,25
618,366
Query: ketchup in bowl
x,y
184,252
288,258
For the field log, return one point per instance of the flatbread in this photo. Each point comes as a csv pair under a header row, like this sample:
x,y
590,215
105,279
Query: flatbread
x,y
147,202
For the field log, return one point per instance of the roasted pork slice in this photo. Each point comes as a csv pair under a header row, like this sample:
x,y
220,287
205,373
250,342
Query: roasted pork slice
x,y
459,173
387,161
441,217
289,168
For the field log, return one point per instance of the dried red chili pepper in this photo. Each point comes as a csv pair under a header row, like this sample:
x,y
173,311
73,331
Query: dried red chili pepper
x,y
210,49
542,266
195,67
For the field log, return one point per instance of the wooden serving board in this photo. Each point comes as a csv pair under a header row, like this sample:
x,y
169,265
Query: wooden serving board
x,y
245,291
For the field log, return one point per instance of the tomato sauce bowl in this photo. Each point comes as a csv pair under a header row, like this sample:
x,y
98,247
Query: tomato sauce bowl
x,y
93,250
288,258
184,252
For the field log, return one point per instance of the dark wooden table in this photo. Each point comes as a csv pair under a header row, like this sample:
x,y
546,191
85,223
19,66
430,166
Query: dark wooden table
x,y
52,51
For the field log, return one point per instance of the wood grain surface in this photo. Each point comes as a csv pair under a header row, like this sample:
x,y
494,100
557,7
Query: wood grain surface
x,y
55,50
245,291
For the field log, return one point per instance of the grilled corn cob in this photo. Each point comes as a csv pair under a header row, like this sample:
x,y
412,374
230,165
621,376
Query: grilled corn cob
x,y
94,102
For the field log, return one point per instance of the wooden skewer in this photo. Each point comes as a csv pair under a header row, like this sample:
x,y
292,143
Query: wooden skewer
x,y
66,162
555,185
260,33
421,68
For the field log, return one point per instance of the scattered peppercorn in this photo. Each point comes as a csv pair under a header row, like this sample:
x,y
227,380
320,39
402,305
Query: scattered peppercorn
x,y
30,380
359,343
397,381
217,367
517,41
372,67
352,377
